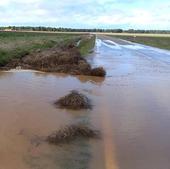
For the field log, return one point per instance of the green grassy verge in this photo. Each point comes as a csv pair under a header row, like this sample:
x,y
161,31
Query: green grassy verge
x,y
86,45
159,42
17,44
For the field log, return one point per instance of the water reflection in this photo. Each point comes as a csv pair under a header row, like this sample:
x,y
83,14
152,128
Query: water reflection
x,y
81,78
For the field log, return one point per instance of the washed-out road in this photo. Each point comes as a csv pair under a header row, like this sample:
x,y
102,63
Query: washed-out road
x,y
131,108
135,106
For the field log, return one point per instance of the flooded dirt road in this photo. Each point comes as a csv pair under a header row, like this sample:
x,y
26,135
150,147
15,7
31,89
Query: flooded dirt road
x,y
131,108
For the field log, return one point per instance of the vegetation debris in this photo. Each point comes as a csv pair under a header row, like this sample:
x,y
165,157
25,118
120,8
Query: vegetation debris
x,y
99,71
71,133
62,56
74,100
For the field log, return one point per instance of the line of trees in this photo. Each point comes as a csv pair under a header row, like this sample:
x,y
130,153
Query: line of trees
x,y
147,31
53,29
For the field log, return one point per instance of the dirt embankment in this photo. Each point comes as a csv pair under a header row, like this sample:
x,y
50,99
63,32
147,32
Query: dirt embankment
x,y
63,59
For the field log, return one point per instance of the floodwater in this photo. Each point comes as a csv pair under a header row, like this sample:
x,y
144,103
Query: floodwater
x,y
131,109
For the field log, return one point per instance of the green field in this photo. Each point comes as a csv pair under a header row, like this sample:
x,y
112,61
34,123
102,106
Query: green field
x,y
17,44
158,41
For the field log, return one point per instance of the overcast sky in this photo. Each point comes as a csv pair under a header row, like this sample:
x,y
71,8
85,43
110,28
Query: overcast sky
x,y
137,14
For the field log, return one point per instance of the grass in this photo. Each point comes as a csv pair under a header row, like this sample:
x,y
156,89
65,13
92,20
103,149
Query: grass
x,y
155,41
135,34
18,44
86,45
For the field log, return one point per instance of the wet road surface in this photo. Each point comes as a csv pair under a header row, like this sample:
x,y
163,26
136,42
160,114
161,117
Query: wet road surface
x,y
135,104
131,108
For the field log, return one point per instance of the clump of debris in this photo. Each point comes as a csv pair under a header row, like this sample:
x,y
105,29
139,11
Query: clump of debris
x,y
74,100
61,59
99,71
71,133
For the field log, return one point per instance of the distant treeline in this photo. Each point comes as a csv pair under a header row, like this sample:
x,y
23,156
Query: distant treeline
x,y
53,29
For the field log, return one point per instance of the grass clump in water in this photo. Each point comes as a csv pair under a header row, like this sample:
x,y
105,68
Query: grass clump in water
x,y
74,100
71,133
99,71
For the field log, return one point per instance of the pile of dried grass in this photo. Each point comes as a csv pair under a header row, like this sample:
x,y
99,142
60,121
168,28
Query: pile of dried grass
x,y
62,59
84,67
74,100
99,71
71,133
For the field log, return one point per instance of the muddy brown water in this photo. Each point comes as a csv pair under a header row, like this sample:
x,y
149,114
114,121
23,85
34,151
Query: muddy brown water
x,y
131,109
